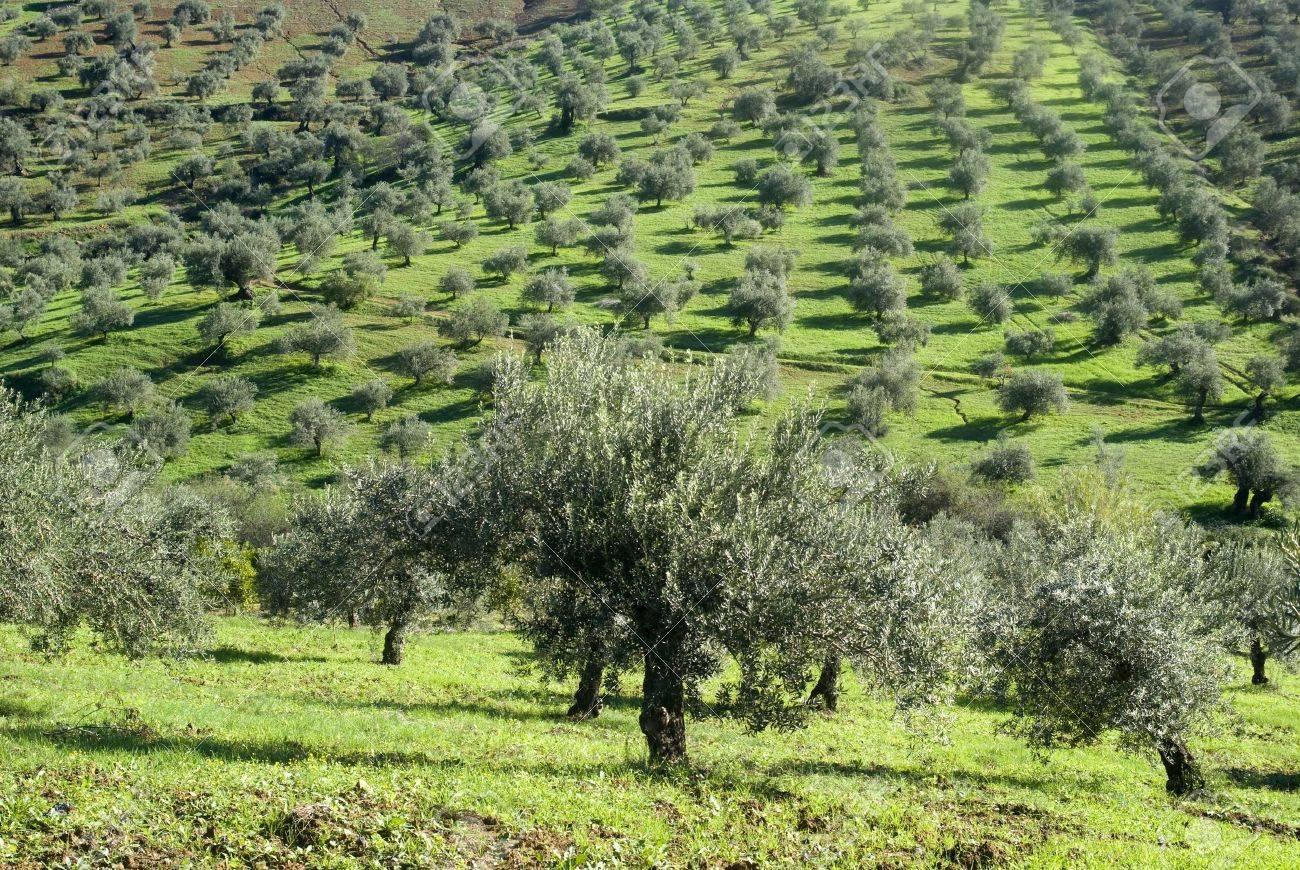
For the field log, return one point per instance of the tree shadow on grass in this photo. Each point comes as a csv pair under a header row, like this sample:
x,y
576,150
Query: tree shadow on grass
x,y
166,312
979,430
141,739
1117,202
680,248
1275,780
835,322
234,655
14,709
810,767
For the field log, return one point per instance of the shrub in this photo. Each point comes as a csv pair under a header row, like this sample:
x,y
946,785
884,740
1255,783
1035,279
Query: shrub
x,y
474,321
1006,461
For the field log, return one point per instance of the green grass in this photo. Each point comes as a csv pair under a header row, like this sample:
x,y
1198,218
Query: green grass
x,y
457,757
1135,408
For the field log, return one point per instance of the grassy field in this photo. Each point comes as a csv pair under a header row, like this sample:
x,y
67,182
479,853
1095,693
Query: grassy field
x,y
957,415
287,746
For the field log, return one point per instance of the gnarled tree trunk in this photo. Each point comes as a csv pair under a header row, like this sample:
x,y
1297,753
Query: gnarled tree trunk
x,y
1257,659
828,684
1182,776
394,642
663,711
588,701
1241,500
1258,500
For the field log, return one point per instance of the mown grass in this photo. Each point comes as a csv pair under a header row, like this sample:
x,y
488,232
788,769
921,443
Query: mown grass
x,y
458,757
1134,408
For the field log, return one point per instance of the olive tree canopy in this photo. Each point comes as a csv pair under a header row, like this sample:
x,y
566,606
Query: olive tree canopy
x,y
86,538
655,536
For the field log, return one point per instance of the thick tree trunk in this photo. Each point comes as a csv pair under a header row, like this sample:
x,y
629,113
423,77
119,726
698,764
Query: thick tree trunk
x,y
1241,499
1258,500
828,684
1182,776
588,701
663,713
244,294
394,643
1257,659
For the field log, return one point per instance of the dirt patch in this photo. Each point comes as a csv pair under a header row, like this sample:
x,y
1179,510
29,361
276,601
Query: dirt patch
x,y
306,825
1285,830
486,842
994,834
538,14
976,853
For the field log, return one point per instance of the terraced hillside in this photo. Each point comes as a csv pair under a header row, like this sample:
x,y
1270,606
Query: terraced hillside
x,y
220,158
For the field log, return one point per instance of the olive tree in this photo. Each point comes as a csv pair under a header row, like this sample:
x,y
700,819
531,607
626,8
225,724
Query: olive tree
x,y
474,321
1266,376
1255,589
241,257
1092,624
372,396
941,279
1091,246
1246,456
456,282
551,288
1033,391
314,424
88,538
163,432
226,321
126,390
323,336
390,546
760,299
405,436
424,359
990,303
101,312
689,547
227,396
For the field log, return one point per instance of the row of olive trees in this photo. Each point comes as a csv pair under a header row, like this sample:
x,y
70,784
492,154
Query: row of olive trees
x,y
644,531
681,553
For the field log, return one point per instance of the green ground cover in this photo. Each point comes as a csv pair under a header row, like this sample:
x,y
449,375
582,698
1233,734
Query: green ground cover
x,y
458,758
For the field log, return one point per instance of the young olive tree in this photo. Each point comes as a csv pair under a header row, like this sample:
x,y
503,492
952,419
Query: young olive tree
x,y
1247,457
391,546
1092,624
